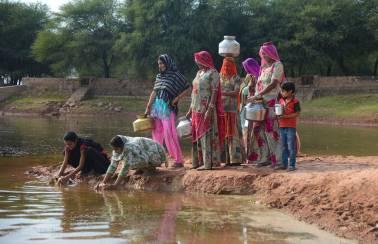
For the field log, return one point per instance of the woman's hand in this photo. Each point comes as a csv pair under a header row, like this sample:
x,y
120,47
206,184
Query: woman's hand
x,y
208,114
175,101
189,114
254,98
148,110
62,180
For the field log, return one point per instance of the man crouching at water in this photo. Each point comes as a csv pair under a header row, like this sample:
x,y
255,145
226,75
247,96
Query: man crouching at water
x,y
137,153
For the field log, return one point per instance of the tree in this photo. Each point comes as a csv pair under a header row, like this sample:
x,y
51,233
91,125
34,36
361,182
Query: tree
x,y
19,24
81,36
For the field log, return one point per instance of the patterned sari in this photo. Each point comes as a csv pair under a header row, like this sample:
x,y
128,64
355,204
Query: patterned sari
x,y
230,82
264,145
207,135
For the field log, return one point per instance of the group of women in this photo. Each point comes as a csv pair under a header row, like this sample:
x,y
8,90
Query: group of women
x,y
220,133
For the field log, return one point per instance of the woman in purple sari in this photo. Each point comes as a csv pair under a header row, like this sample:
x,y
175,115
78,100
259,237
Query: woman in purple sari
x,y
264,147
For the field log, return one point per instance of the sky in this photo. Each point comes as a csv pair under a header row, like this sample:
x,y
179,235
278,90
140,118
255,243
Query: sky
x,y
53,4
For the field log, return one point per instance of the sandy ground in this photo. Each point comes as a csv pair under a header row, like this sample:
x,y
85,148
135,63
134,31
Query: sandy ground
x,y
337,193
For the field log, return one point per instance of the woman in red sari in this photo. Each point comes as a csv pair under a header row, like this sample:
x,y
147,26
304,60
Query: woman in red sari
x,y
207,116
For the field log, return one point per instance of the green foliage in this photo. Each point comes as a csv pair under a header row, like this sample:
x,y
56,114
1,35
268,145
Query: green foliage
x,y
19,24
124,38
81,36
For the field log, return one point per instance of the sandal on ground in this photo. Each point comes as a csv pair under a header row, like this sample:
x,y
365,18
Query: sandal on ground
x,y
202,168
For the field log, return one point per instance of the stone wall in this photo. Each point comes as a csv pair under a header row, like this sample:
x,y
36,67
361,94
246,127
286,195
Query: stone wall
x,y
307,86
98,86
8,91
55,84
118,87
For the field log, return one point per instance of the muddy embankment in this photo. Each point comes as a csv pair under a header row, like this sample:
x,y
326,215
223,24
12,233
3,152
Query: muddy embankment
x,y
339,194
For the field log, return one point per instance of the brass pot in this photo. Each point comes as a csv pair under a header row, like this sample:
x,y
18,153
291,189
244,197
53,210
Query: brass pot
x,y
143,123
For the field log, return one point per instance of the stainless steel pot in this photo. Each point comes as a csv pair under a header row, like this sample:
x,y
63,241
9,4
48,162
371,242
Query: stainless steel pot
x,y
255,112
184,128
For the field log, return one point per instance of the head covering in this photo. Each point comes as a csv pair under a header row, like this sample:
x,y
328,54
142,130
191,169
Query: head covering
x,y
228,67
204,58
252,67
169,63
170,83
269,49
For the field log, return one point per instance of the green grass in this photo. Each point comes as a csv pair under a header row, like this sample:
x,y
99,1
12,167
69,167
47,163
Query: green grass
x,y
127,103
356,106
31,100
342,107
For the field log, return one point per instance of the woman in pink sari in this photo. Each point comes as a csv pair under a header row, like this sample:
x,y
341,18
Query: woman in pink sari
x,y
264,147
207,114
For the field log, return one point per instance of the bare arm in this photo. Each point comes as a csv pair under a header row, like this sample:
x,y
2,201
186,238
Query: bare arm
x,y
78,168
270,87
150,100
231,94
64,164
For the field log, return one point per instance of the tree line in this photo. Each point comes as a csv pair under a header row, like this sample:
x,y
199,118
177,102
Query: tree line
x,y
110,38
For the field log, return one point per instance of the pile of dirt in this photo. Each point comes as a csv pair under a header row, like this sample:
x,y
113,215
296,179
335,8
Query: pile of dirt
x,y
339,194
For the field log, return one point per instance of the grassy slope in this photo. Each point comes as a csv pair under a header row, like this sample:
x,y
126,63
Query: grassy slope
x,y
33,101
364,106
353,107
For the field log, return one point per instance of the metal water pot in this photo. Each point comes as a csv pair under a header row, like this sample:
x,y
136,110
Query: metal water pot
x,y
229,47
184,128
255,112
278,110
143,123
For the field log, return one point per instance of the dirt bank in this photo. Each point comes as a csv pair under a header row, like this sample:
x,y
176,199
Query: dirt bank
x,y
339,194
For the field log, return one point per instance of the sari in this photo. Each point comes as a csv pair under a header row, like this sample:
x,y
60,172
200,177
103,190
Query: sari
x,y
264,145
230,82
207,136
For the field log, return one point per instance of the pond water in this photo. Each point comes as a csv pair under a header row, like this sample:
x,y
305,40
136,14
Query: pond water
x,y
31,211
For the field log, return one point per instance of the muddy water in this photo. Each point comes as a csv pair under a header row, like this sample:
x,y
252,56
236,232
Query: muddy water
x,y
31,211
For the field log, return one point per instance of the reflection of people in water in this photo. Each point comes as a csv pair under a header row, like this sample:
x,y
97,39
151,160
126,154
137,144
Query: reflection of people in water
x,y
167,227
137,153
84,155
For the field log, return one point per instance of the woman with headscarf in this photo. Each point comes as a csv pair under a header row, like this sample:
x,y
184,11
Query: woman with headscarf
x,y
170,86
230,84
207,116
265,147
85,155
252,68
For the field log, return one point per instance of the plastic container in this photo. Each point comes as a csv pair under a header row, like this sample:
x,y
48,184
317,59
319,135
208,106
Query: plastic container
x,y
143,123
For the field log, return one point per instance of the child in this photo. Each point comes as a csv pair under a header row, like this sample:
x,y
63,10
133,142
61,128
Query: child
x,y
288,124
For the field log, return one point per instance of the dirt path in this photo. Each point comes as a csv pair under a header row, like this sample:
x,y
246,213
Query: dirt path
x,y
339,194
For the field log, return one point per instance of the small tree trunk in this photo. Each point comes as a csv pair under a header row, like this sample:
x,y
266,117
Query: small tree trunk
x,y
106,65
329,69
375,67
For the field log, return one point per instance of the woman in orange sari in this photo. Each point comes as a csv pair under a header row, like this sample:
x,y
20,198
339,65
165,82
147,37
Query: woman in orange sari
x,y
230,83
